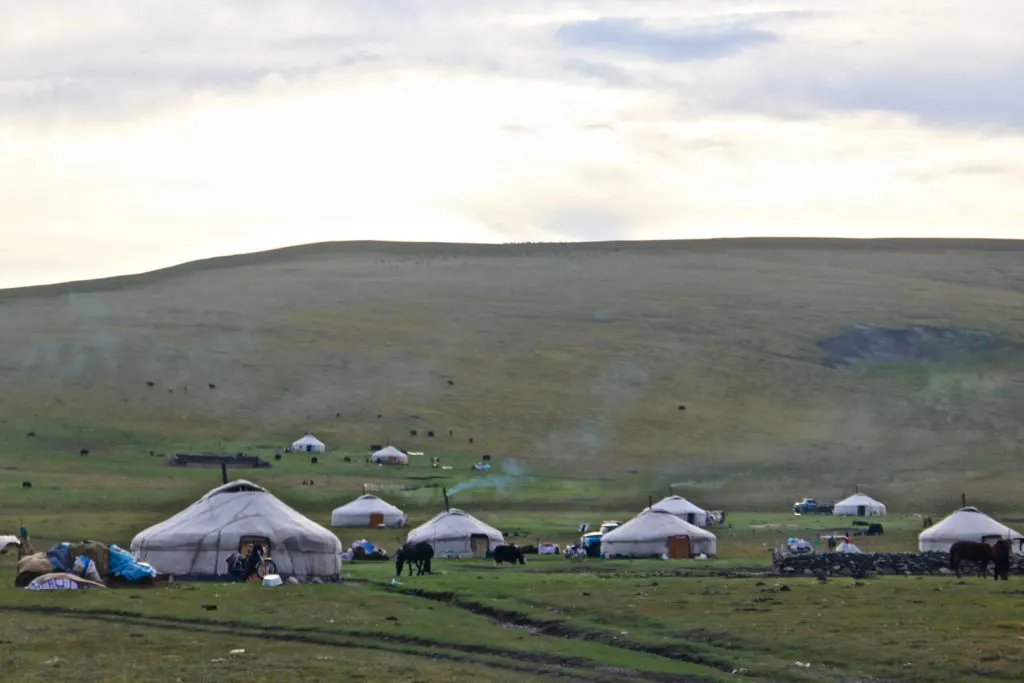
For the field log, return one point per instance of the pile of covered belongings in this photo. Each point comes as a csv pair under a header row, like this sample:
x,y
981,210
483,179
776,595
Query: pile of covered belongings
x,y
800,545
847,546
364,550
87,560
8,541
548,549
65,566
124,565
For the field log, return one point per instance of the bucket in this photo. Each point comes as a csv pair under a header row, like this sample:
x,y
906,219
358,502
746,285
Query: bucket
x,y
272,580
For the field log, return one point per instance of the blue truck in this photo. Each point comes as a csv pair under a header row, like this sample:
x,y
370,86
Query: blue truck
x,y
810,506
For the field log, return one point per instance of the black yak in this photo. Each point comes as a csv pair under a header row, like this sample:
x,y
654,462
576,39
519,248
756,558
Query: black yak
x,y
508,553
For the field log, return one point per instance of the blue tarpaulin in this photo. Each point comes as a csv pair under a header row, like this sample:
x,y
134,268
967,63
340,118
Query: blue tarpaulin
x,y
123,564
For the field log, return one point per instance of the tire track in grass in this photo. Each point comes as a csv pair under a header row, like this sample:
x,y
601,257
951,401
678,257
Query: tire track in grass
x,y
571,667
560,629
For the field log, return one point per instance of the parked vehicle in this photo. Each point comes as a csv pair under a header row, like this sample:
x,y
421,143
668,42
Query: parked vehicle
x,y
810,506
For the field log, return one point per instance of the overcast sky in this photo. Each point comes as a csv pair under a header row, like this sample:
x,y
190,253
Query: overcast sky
x,y
136,134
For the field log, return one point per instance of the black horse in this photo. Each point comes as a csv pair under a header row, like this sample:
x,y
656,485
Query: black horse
x,y
982,553
508,553
418,554
1001,560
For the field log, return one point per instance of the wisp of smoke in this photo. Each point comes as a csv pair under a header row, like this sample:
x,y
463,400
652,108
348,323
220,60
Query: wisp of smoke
x,y
512,474
717,484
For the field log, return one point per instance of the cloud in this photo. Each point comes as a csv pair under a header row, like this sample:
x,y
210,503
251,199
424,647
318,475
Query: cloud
x,y
218,127
633,36
993,98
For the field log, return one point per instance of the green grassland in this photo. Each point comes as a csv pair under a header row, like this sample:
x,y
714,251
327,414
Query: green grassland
x,y
566,363
570,358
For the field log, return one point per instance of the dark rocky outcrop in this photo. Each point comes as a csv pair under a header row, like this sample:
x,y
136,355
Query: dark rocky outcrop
x,y
867,344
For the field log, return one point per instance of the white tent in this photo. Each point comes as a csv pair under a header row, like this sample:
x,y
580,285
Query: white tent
x,y
457,534
966,524
683,509
198,540
368,511
859,505
655,533
389,455
308,444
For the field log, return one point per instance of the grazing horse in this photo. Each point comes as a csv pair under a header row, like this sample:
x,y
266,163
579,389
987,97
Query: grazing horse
x,y
1001,560
418,554
976,551
508,553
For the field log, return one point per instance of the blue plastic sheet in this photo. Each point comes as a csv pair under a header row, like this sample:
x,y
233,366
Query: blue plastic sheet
x,y
123,564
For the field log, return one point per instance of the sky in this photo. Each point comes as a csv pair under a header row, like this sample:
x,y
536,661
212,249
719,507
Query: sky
x,y
137,134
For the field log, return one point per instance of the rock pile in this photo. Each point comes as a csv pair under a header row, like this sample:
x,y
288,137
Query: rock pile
x,y
863,564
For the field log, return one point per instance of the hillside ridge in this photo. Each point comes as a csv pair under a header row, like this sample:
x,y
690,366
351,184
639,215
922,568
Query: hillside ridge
x,y
455,249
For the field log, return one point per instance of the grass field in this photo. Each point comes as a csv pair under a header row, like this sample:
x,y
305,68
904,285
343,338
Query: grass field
x,y
566,363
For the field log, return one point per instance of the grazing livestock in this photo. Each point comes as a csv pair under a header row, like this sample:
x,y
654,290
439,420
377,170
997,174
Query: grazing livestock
x,y
974,551
418,554
84,451
1001,560
508,553
26,484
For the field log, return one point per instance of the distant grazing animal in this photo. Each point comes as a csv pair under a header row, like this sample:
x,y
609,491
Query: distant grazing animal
x,y
418,554
974,551
26,484
508,553
576,553
212,386
1001,560
84,451
150,384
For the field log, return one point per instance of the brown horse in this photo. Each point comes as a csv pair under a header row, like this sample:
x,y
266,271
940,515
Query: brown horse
x,y
982,553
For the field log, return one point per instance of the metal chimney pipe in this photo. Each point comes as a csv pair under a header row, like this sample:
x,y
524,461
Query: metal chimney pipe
x,y
445,492
224,472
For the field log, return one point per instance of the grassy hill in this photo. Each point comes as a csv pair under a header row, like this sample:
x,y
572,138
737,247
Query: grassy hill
x,y
572,360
